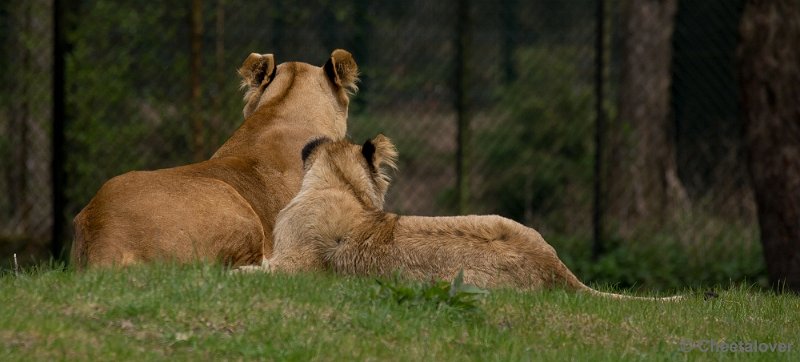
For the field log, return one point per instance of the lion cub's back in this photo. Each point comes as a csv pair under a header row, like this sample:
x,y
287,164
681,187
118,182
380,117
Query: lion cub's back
x,y
492,250
471,229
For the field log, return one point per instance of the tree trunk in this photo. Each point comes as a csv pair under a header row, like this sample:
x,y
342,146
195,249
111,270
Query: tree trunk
x,y
360,48
198,127
462,115
278,28
508,44
769,75
644,184
27,168
221,75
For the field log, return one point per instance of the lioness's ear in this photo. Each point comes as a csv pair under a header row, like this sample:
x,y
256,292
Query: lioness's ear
x,y
341,68
380,151
256,69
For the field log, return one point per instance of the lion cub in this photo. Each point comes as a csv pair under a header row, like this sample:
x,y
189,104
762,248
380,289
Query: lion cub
x,y
337,222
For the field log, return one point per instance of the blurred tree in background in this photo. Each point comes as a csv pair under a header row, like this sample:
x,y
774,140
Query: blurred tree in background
x,y
769,71
549,118
25,114
643,182
127,93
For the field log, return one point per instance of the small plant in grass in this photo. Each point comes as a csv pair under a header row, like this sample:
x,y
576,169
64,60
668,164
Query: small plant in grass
x,y
455,294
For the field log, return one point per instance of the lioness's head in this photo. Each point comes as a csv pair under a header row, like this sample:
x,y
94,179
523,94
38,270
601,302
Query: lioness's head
x,y
294,88
361,169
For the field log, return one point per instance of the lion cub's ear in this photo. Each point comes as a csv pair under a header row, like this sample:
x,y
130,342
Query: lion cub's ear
x,y
342,69
256,69
310,147
380,151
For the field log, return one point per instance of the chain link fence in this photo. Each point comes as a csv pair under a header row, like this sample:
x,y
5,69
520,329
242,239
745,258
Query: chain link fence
x,y
493,106
25,127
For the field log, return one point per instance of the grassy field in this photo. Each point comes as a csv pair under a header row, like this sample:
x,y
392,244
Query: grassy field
x,y
203,312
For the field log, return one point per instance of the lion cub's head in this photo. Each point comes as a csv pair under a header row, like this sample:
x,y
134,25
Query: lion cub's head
x,y
361,169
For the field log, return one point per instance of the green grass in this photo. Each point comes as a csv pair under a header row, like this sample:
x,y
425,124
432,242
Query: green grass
x,y
203,312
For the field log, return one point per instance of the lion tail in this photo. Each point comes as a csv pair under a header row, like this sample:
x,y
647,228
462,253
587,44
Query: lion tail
x,y
566,277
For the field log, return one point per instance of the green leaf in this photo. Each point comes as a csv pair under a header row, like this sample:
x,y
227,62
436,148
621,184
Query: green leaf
x,y
471,289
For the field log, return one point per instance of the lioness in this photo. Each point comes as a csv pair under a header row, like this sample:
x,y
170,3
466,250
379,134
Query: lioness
x,y
337,222
223,209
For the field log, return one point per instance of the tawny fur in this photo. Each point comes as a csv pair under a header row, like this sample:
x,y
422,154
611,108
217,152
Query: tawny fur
x,y
336,222
223,209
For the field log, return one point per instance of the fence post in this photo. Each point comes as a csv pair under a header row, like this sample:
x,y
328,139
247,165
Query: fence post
x,y
360,48
58,157
509,17
597,207
196,30
462,119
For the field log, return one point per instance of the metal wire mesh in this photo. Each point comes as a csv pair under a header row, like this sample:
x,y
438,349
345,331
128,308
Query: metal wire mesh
x,y
527,81
25,152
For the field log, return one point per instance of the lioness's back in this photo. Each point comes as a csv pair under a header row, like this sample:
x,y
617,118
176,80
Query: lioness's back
x,y
141,216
